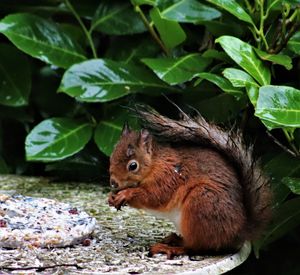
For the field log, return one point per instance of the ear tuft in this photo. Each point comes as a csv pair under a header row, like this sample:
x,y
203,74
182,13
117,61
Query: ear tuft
x,y
144,134
126,129
145,140
130,151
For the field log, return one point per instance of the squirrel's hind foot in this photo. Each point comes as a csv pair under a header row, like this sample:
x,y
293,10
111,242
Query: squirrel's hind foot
x,y
173,240
170,251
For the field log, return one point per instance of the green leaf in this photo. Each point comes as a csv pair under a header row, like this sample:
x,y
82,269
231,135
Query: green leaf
x,y
109,129
15,77
41,39
107,135
279,59
234,8
228,26
244,55
293,184
252,92
228,107
286,218
177,70
85,9
44,96
85,166
222,83
117,18
274,4
144,2
212,53
102,80
190,11
170,31
56,138
278,4
293,3
280,166
21,114
279,105
132,50
294,43
239,78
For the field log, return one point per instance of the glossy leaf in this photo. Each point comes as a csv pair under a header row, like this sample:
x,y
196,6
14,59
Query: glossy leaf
x,y
190,11
279,105
252,92
85,9
244,55
132,50
15,77
41,39
56,138
225,27
228,107
234,8
177,70
286,218
293,184
117,18
107,134
214,54
222,83
21,114
170,31
294,43
109,129
279,59
239,78
280,166
101,80
85,166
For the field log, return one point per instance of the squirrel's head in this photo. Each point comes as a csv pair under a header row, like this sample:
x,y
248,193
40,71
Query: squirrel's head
x,y
131,159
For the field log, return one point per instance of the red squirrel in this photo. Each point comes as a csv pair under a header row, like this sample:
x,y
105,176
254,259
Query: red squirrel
x,y
199,176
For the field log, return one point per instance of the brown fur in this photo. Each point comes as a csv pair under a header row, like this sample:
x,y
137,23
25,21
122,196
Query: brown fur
x,y
202,182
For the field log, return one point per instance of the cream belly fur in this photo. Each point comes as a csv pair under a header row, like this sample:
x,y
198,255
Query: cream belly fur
x,y
173,216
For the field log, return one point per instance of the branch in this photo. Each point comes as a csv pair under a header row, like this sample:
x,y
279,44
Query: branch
x,y
151,30
282,146
293,29
86,32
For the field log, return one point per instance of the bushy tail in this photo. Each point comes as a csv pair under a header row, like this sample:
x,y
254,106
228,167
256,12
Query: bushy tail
x,y
257,194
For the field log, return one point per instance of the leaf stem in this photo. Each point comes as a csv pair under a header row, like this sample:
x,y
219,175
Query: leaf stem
x,y
293,16
249,7
261,25
290,138
150,28
86,32
281,145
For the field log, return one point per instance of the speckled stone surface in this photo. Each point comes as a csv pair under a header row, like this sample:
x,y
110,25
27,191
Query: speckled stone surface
x,y
120,241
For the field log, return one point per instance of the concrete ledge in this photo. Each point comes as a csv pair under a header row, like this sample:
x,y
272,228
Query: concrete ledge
x,y
120,241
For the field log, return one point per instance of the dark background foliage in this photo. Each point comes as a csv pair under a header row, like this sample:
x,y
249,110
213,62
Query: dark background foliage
x,y
70,71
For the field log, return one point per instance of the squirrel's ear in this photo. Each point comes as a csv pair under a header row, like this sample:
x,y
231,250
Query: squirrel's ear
x,y
126,129
145,140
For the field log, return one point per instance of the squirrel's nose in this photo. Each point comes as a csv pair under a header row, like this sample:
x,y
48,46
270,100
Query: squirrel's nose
x,y
114,184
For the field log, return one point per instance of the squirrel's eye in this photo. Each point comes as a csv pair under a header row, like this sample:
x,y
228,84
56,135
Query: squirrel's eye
x,y
132,166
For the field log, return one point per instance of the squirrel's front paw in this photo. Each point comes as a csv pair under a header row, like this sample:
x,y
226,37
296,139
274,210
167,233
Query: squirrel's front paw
x,y
111,199
120,199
